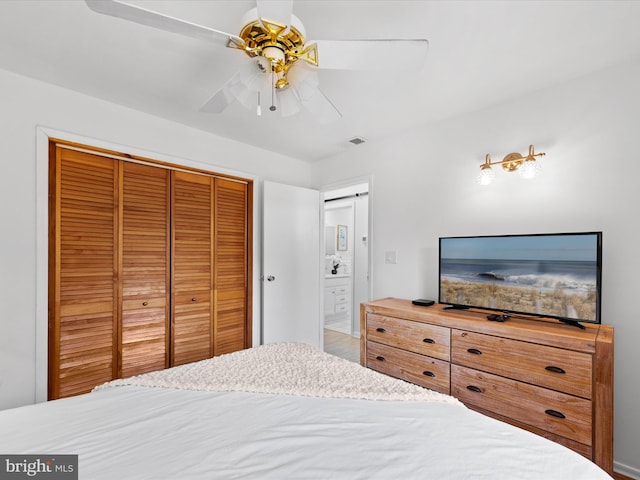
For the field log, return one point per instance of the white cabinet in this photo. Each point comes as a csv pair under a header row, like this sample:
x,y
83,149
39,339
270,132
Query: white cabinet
x,y
337,303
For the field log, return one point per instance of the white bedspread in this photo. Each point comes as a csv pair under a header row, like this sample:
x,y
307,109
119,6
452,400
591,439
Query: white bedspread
x,y
286,369
140,432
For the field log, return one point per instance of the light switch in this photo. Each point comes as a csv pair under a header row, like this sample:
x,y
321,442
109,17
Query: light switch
x,y
391,256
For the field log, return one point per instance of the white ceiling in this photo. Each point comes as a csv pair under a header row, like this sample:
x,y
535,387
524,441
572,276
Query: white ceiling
x,y
480,53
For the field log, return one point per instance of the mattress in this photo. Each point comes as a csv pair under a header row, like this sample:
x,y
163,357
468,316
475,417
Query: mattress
x,y
266,420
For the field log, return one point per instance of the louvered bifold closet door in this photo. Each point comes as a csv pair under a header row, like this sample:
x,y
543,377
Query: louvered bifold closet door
x,y
231,250
192,287
149,266
145,268
83,257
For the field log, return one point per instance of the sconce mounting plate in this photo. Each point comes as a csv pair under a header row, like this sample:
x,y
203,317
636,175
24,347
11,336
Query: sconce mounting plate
x,y
512,162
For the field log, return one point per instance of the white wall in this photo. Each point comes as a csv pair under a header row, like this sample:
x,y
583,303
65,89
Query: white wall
x,y
424,187
27,106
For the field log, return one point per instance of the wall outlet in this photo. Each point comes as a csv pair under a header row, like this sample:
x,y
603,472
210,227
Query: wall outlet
x,y
391,256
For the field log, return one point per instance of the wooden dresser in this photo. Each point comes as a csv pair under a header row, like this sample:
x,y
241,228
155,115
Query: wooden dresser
x,y
552,379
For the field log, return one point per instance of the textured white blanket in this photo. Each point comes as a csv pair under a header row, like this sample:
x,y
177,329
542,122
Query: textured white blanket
x,y
284,369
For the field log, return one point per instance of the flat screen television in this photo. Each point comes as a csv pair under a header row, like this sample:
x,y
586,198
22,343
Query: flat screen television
x,y
544,275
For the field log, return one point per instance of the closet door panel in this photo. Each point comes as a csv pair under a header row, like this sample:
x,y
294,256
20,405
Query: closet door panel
x,y
192,267
83,293
145,268
231,276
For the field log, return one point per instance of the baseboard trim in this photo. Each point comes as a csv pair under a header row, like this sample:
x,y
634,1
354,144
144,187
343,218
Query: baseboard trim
x,y
625,472
619,476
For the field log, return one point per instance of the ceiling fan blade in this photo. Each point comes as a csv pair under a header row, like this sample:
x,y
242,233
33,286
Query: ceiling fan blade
x,y
278,11
223,97
322,108
303,79
288,102
250,86
126,11
390,54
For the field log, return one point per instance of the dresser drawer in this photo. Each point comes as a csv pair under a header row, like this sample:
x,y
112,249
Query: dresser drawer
x,y
412,367
550,367
551,411
417,337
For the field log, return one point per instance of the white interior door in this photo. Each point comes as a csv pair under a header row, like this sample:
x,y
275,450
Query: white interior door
x,y
290,264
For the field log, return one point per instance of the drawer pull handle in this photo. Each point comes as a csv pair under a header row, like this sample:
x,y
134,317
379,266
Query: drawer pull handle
x,y
553,369
429,340
380,329
554,413
144,304
473,388
475,351
194,299
380,358
427,373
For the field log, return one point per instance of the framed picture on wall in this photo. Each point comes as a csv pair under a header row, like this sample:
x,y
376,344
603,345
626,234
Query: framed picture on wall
x,y
342,237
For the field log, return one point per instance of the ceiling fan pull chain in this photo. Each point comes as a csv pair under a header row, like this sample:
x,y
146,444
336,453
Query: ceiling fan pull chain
x,y
259,109
273,89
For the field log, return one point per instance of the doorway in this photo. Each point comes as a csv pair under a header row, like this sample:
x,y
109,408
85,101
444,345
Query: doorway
x,y
346,267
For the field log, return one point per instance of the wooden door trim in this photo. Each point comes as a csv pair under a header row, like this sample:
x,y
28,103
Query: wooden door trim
x,y
53,383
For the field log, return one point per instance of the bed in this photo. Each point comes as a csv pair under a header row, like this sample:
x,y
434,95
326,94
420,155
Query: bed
x,y
281,411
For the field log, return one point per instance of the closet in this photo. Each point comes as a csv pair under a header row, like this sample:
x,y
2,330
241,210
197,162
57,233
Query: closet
x,y
149,266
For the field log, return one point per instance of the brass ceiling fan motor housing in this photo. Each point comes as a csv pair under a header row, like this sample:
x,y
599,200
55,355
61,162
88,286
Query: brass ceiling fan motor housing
x,y
282,45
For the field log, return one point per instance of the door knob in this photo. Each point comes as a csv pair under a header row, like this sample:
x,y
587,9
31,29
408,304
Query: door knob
x,y
270,278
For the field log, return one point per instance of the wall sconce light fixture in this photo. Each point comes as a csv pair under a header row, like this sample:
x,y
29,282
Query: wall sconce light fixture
x,y
528,166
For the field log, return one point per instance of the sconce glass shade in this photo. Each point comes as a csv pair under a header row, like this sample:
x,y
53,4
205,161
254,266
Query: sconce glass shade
x,y
486,175
529,168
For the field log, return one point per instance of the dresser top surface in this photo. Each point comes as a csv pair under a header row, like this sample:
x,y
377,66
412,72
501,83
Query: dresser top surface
x,y
546,331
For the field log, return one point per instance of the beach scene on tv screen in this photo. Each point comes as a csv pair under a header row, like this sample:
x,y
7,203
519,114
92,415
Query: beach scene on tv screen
x,y
548,275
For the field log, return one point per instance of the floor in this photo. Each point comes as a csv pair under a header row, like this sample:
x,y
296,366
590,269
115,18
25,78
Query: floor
x,y
342,345
338,324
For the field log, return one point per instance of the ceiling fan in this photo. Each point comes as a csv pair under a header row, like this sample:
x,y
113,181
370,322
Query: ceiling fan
x,y
281,67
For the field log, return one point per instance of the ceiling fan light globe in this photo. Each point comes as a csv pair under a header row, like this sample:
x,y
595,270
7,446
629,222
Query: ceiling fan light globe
x,y
303,74
238,90
289,102
254,70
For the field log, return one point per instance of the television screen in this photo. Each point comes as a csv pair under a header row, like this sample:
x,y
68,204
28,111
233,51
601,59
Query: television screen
x,y
548,275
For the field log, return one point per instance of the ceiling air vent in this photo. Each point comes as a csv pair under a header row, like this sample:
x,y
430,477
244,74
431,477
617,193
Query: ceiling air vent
x,y
357,140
